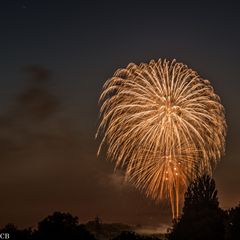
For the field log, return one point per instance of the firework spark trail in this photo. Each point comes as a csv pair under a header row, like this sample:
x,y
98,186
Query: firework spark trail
x,y
164,125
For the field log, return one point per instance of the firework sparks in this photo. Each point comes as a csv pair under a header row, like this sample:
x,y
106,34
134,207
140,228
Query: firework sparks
x,y
164,125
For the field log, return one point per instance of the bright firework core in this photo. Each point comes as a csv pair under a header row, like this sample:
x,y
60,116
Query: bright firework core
x,y
164,125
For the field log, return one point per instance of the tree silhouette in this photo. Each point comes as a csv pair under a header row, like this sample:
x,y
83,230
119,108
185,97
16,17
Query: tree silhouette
x,y
233,224
95,227
62,226
17,234
125,235
202,218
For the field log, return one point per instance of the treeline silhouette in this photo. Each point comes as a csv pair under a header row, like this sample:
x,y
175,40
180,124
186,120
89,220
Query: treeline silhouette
x,y
201,219
64,226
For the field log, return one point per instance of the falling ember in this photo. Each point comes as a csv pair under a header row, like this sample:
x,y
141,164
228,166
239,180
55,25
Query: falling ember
x,y
164,125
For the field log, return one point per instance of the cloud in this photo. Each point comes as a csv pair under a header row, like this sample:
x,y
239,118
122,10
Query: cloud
x,y
114,180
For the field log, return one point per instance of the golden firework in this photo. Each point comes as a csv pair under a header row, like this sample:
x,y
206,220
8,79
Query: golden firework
x,y
164,125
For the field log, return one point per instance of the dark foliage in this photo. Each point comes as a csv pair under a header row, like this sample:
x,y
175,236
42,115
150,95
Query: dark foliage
x,y
233,224
202,218
62,226
106,230
15,233
127,236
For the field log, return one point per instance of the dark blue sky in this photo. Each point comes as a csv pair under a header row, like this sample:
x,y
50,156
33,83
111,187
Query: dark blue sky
x,y
83,43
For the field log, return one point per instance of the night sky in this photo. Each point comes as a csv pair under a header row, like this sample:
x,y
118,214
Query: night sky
x,y
49,118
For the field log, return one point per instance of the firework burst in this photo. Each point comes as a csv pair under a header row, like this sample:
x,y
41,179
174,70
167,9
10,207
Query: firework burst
x,y
164,125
